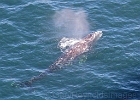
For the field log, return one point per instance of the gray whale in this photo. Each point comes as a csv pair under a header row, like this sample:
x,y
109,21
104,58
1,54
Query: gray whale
x,y
73,52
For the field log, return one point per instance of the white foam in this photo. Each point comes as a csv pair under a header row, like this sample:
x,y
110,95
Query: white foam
x,y
65,43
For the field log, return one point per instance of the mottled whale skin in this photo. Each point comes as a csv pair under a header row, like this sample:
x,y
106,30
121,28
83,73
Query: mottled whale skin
x,y
77,49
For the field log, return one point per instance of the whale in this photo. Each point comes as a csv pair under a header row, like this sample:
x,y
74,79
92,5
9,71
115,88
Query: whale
x,y
72,53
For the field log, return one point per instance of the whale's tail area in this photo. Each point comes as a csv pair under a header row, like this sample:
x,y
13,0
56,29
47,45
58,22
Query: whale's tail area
x,y
29,82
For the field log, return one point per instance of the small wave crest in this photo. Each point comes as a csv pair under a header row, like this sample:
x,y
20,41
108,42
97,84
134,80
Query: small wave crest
x,y
65,43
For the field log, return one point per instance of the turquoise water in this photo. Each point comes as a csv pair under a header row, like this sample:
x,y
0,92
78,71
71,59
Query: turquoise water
x,y
28,45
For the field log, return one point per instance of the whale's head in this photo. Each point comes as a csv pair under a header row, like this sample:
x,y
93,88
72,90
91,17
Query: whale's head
x,y
93,37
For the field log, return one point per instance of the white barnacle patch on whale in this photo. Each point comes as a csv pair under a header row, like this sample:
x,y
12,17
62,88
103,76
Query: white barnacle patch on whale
x,y
65,43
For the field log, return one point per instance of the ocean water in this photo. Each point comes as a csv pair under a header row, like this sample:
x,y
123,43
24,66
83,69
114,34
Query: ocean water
x,y
28,46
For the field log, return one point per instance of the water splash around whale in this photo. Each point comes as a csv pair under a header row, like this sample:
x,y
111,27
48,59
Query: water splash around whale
x,y
66,43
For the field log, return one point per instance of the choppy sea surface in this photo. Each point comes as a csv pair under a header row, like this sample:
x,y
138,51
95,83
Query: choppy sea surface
x,y
28,46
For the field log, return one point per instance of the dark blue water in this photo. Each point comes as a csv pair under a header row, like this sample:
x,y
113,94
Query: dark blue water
x,y
28,45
